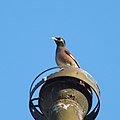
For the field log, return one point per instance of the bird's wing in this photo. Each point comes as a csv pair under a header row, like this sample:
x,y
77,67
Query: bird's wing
x,y
68,53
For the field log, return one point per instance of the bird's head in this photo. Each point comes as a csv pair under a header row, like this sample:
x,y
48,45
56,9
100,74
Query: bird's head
x,y
59,41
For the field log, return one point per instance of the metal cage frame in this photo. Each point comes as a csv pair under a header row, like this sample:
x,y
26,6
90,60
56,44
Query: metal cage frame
x,y
89,80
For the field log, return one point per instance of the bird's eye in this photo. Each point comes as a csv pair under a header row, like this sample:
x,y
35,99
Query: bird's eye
x,y
61,39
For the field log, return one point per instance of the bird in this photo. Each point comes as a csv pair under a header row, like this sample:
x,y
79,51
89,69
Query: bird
x,y
63,55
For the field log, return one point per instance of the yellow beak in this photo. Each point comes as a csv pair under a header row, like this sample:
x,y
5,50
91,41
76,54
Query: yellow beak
x,y
54,38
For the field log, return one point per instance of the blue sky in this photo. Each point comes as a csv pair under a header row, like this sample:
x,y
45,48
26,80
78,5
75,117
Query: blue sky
x,y
91,29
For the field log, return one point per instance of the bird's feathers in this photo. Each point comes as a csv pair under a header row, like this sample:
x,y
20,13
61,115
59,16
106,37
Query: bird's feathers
x,y
63,56
68,53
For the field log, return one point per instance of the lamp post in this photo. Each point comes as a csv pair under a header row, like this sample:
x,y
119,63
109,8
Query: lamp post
x,y
64,95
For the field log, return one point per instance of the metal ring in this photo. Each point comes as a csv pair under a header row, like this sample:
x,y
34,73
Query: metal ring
x,y
33,108
34,111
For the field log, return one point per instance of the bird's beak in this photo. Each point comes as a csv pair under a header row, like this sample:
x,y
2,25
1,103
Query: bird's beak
x,y
54,38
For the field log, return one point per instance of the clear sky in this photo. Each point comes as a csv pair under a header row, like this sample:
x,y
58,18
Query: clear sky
x,y
91,29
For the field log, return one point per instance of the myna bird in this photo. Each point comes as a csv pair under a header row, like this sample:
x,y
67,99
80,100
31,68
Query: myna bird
x,y
63,56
